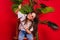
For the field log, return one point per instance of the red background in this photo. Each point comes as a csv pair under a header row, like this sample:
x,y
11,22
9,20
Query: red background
x,y
8,21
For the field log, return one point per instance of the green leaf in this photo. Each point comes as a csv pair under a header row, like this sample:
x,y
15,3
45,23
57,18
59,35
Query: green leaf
x,y
43,10
47,10
26,9
14,7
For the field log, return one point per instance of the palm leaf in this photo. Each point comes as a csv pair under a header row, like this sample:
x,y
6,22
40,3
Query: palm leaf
x,y
47,10
14,7
26,9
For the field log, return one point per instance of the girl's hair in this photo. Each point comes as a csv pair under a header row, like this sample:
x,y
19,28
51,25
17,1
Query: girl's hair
x,y
35,20
27,18
34,23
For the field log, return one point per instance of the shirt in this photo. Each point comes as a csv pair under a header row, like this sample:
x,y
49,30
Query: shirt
x,y
22,24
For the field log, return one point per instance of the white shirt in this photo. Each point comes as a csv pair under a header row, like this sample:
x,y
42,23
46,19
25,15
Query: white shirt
x,y
22,17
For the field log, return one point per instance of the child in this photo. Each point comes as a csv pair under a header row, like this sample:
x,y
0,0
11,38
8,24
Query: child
x,y
25,26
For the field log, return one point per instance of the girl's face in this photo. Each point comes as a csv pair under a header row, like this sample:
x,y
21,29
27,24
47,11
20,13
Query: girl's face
x,y
31,16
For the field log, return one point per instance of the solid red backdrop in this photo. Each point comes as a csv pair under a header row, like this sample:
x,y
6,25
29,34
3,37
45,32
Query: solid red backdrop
x,y
8,21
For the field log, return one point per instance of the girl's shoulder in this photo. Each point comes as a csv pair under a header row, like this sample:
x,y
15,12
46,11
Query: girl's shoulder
x,y
20,13
21,16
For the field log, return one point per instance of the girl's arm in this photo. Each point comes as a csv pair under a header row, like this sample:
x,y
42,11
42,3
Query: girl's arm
x,y
28,31
16,11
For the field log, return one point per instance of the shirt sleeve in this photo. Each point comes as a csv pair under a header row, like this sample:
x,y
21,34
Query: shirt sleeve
x,y
19,14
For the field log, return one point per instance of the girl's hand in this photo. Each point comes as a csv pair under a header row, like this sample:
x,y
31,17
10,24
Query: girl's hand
x,y
19,7
28,31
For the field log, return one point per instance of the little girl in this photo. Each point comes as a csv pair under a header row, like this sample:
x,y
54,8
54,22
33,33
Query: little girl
x,y
25,26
